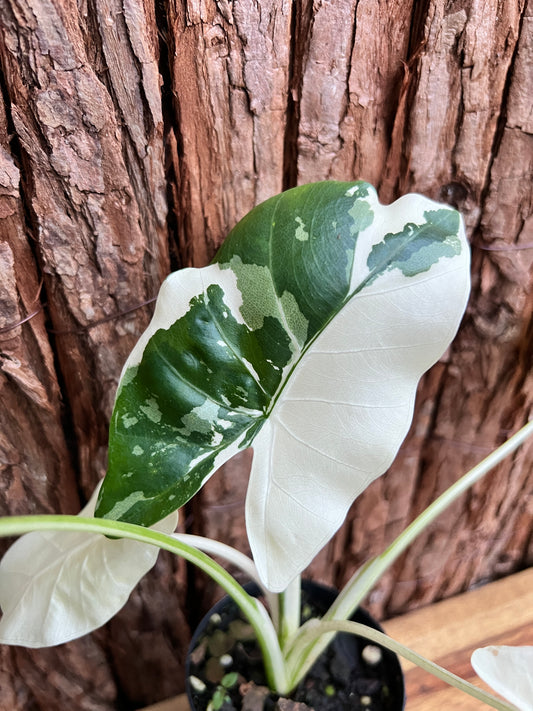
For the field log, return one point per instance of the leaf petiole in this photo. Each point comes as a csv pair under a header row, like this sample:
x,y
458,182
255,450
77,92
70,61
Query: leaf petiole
x,y
314,629
251,607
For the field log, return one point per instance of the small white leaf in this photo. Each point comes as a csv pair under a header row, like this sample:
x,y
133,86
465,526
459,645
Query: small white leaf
x,y
56,586
509,671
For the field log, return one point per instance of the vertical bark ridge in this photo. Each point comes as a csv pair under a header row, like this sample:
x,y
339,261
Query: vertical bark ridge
x,y
300,34
36,477
232,116
93,170
397,163
81,187
171,142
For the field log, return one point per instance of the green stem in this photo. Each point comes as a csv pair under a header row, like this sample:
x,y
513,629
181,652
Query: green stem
x,y
310,632
255,612
233,556
238,559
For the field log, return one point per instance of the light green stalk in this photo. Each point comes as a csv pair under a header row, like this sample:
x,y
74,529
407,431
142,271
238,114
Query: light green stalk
x,y
313,630
275,669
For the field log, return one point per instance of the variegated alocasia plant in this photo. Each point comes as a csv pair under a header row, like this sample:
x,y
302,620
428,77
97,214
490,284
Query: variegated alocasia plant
x,y
304,339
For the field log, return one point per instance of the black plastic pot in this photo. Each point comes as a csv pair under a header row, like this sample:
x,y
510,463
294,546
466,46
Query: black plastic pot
x,y
224,658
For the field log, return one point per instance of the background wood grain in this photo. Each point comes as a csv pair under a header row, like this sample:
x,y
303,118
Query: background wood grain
x,y
133,135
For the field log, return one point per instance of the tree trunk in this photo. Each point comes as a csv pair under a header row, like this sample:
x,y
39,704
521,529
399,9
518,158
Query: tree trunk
x,y
133,135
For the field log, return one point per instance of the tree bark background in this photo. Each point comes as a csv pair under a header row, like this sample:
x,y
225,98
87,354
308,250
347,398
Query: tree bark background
x,y
133,135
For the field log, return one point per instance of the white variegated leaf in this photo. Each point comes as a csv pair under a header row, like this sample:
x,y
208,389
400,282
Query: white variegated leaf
x,y
56,586
305,339
509,671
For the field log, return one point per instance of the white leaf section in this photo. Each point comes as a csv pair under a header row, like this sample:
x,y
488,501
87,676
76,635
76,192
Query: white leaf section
x,y
509,671
345,411
56,586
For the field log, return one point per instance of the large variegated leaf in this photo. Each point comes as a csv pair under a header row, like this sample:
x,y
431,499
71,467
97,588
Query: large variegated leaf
x,y
305,338
509,671
59,585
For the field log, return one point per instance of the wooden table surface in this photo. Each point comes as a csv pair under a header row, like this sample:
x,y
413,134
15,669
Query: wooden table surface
x,y
447,633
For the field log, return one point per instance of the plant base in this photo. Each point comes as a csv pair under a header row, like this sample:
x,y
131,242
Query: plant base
x,y
225,668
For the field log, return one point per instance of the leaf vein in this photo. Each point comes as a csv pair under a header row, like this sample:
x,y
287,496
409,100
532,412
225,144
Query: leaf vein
x,y
393,406
321,452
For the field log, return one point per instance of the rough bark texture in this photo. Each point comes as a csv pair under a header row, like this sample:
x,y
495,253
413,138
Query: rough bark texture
x,y
133,135
87,224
